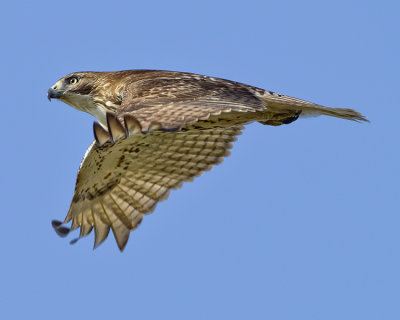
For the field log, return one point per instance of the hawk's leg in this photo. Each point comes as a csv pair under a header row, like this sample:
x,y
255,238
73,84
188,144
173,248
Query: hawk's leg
x,y
278,119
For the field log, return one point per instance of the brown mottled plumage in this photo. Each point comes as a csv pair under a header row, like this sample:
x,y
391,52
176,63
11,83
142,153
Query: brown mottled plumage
x,y
157,130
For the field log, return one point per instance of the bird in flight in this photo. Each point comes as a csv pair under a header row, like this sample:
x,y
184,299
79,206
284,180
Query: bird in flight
x,y
156,130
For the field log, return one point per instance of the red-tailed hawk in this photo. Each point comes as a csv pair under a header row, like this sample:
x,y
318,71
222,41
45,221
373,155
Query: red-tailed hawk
x,y
157,130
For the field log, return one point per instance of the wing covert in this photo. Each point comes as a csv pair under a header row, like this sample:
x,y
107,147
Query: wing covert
x,y
183,99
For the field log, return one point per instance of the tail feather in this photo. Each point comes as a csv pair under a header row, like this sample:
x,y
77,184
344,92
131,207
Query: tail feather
x,y
281,104
344,113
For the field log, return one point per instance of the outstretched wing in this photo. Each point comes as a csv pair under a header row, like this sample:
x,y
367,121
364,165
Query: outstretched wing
x,y
119,182
175,99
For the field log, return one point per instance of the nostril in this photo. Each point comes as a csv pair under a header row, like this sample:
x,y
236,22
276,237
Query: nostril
x,y
54,87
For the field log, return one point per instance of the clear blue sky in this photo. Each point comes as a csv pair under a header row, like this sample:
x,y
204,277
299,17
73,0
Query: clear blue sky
x,y
301,222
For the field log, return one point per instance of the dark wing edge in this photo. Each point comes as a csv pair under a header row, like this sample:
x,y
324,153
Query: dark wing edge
x,y
118,183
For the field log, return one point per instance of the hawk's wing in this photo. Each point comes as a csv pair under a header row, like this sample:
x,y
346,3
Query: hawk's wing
x,y
174,99
180,99
118,183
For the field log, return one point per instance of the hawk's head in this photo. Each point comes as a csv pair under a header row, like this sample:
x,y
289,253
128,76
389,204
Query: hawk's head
x,y
87,91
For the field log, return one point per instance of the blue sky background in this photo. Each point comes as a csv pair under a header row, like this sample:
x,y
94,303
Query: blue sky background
x,y
301,222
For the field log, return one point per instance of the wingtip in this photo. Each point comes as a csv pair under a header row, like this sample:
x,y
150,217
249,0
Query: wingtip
x,y
356,116
363,119
122,246
121,235
56,223
73,241
122,240
97,242
59,228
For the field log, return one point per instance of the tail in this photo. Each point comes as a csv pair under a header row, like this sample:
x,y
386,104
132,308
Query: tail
x,y
348,114
280,103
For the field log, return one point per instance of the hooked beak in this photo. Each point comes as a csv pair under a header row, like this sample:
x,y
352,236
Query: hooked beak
x,y
53,93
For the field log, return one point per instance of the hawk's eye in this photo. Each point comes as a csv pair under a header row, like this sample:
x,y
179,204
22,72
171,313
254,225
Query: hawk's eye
x,y
72,80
